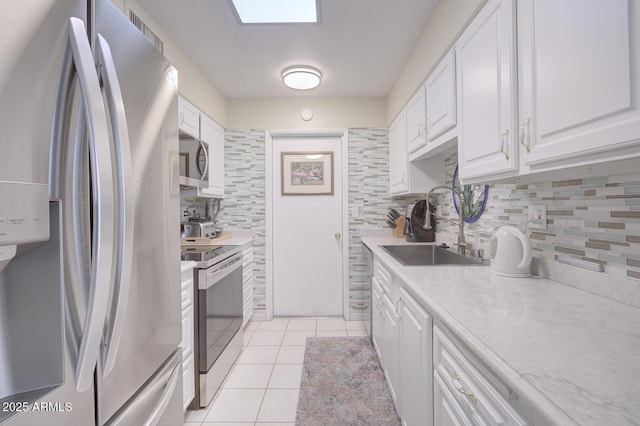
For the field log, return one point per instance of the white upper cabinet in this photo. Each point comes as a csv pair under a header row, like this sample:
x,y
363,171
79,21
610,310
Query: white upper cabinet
x,y
188,118
440,89
435,105
213,134
416,122
410,177
486,79
398,178
195,124
579,76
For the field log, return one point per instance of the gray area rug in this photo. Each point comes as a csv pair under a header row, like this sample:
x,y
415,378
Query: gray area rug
x,y
343,384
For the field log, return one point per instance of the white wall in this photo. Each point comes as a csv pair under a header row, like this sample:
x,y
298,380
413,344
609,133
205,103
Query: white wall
x,y
442,29
192,84
285,113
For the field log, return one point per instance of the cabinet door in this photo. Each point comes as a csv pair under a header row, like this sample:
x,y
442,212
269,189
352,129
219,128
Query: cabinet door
x,y
415,362
398,179
213,134
580,77
440,89
416,122
188,118
377,320
486,70
389,349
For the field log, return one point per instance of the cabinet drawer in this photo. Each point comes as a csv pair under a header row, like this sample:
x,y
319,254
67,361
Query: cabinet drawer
x,y
247,255
476,395
187,297
382,276
186,275
446,409
187,330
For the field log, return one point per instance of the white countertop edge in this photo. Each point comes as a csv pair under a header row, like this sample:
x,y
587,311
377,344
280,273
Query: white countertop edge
x,y
545,410
237,238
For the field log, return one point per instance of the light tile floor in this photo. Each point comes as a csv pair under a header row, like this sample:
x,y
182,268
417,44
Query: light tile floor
x,y
262,389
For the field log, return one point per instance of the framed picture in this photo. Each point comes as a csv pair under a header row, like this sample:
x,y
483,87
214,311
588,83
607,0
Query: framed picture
x,y
307,173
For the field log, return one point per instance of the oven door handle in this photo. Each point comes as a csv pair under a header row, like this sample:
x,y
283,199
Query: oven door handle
x,y
216,273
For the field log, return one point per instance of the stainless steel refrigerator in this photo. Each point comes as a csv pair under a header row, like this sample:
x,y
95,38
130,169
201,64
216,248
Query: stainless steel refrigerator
x,y
90,317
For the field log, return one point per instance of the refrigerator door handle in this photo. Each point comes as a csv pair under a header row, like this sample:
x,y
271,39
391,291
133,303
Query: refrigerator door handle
x,y
103,201
123,172
167,379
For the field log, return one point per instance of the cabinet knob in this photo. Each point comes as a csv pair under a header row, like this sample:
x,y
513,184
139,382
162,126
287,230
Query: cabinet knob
x,y
337,235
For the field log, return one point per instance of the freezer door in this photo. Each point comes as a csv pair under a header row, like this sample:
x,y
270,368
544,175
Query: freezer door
x,y
159,402
152,316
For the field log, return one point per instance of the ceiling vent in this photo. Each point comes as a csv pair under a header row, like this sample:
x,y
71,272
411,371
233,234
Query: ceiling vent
x,y
153,38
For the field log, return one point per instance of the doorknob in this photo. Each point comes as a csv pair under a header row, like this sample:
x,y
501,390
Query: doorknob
x,y
337,235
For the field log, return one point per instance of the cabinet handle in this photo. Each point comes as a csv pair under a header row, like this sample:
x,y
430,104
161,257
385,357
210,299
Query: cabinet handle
x,y
468,394
398,307
404,177
504,143
422,130
525,136
181,118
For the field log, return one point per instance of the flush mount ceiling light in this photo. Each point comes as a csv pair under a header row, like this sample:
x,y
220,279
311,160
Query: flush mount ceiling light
x,y
301,77
275,11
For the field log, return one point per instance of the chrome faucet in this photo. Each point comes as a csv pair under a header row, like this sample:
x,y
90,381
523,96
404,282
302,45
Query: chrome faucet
x,y
462,244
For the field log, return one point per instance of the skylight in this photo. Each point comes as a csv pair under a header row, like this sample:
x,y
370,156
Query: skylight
x,y
276,11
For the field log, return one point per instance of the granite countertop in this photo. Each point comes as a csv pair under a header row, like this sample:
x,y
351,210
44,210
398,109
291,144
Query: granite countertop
x,y
573,356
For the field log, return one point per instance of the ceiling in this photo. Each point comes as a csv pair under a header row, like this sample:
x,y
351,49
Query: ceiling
x,y
360,46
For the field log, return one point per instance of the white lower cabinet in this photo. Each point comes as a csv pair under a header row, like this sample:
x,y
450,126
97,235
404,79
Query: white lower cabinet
x,y
247,284
402,339
415,361
463,394
188,335
432,380
390,349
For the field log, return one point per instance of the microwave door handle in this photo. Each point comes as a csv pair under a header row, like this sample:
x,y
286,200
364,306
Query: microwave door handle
x,y
123,172
205,149
103,213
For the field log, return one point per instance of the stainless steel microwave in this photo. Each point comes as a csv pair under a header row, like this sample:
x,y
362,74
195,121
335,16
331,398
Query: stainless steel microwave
x,y
194,162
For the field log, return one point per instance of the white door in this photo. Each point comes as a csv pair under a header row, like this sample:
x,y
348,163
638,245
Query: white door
x,y
307,240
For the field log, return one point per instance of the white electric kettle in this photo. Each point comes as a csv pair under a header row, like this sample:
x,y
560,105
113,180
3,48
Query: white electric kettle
x,y
510,253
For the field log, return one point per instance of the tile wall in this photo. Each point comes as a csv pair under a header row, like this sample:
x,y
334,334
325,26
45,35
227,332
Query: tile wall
x,y
244,205
597,219
369,192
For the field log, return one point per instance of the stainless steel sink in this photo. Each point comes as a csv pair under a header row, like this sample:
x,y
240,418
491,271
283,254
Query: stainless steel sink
x,y
429,255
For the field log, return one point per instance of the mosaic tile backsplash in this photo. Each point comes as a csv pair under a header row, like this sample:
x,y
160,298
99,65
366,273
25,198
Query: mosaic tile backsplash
x,y
596,219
